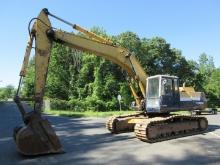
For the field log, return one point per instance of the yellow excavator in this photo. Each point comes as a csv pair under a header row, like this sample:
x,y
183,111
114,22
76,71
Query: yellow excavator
x,y
161,93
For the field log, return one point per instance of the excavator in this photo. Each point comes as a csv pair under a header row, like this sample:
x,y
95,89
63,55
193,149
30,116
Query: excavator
x,y
161,93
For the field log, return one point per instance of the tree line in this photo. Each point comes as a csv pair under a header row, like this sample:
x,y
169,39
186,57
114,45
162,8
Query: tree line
x,y
82,81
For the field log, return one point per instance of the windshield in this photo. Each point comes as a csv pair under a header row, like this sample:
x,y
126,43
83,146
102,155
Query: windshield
x,y
153,87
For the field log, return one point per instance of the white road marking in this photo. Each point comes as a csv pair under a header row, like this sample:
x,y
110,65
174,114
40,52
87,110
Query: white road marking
x,y
214,134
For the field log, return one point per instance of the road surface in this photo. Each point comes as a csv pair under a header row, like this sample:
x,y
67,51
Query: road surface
x,y
86,141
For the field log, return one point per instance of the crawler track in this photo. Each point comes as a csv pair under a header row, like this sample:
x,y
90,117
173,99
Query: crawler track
x,y
119,124
160,129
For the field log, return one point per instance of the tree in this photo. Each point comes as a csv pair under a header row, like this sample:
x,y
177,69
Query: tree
x,y
129,40
204,69
60,73
7,92
212,87
28,81
157,57
206,64
99,81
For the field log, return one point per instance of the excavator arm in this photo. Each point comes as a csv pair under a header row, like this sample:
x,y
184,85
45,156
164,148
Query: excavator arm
x,y
38,133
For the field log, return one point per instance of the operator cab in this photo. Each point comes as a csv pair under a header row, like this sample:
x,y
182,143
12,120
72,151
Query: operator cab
x,y
162,94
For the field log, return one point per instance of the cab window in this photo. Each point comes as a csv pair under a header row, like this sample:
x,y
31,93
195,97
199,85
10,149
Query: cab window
x,y
167,87
153,88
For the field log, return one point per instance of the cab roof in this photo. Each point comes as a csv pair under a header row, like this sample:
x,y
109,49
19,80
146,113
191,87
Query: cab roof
x,y
166,76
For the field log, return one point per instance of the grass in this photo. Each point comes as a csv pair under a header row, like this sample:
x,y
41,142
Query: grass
x,y
70,113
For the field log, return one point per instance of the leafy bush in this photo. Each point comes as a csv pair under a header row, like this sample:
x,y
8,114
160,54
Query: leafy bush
x,y
59,104
77,105
95,104
72,103
88,104
112,105
100,105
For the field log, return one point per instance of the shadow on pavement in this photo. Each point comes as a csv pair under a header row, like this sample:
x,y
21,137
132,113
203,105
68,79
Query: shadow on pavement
x,y
212,128
86,141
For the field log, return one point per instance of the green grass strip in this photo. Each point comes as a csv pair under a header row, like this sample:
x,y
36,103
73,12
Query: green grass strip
x,y
70,113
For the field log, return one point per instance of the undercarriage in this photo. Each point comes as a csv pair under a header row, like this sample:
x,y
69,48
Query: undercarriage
x,y
151,128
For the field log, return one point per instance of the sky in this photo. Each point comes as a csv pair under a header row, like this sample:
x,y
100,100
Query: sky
x,y
192,26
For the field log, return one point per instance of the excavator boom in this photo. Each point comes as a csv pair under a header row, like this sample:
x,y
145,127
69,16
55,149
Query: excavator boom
x,y
38,137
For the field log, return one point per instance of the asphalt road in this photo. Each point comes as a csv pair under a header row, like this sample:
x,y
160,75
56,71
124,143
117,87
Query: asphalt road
x,y
86,141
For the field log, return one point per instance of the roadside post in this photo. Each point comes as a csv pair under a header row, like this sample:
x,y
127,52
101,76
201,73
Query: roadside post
x,y
119,100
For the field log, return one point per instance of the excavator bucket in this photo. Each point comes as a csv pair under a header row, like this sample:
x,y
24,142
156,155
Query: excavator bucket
x,y
37,137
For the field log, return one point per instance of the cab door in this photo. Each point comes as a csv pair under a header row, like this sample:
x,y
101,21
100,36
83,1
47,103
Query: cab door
x,y
169,92
176,94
